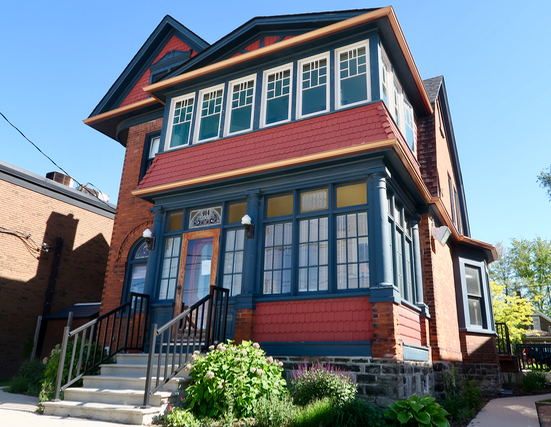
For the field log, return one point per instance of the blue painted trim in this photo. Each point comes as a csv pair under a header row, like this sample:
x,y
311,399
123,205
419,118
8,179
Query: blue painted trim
x,y
340,348
416,353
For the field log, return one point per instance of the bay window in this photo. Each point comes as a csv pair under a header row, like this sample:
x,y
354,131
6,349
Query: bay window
x,y
209,113
353,81
313,93
276,97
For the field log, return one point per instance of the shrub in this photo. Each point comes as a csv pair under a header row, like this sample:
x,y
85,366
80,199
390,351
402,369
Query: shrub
x,y
359,413
534,381
231,378
29,378
273,411
462,398
181,417
417,411
319,381
314,414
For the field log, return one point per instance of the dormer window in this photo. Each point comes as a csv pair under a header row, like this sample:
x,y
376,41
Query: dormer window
x,y
240,105
353,84
277,95
180,125
313,93
208,121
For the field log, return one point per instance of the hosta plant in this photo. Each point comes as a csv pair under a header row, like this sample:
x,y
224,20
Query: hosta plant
x,y
416,412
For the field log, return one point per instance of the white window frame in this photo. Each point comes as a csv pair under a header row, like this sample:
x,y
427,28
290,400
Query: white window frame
x,y
229,110
170,126
199,107
364,43
398,98
263,106
383,60
300,91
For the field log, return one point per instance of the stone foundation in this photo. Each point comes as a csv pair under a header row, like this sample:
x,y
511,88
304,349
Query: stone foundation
x,y
383,381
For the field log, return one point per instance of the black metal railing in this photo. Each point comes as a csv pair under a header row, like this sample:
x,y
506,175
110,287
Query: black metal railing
x,y
121,329
503,341
534,356
171,346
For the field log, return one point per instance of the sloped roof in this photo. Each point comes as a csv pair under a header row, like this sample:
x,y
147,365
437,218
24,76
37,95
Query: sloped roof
x,y
433,87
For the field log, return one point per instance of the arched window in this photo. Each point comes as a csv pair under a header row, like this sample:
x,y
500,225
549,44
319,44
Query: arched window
x,y
137,266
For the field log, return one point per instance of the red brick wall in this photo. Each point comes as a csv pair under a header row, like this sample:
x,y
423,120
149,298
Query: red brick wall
x,y
439,295
386,343
132,217
478,348
24,273
344,319
244,325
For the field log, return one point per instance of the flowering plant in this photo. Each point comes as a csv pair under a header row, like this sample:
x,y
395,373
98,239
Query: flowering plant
x,y
230,378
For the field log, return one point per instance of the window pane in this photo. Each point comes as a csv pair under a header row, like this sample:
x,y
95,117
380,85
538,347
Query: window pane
x,y
175,221
230,240
276,284
475,312
267,282
279,206
269,236
228,263
277,96
238,262
181,122
241,119
472,277
314,200
236,290
240,240
314,86
364,275
352,251
277,259
233,261
268,258
209,127
352,195
303,280
277,110
341,227
241,106
314,100
236,212
353,75
323,279
353,90
342,281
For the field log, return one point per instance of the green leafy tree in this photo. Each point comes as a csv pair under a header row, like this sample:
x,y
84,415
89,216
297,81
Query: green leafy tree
x,y
513,310
544,178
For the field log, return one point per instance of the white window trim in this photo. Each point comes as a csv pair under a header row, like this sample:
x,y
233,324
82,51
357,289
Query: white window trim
x,y
397,92
198,107
265,74
299,84
168,135
229,110
383,58
337,73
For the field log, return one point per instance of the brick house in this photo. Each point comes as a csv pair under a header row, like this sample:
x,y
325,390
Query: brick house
x,y
320,129
76,228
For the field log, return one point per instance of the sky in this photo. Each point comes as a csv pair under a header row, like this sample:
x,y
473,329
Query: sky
x,y
59,58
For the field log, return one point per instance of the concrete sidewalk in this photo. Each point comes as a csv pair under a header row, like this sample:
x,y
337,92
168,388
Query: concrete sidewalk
x,y
510,412
20,410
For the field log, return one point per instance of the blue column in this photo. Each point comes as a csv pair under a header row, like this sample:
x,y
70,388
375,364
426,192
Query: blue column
x,y
250,253
380,255
154,255
419,302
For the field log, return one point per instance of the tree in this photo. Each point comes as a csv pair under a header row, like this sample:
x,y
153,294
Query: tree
x,y
544,179
513,310
524,270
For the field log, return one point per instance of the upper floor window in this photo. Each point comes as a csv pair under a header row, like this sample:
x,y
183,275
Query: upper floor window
x,y
409,124
277,95
180,125
151,148
209,114
353,85
313,93
240,105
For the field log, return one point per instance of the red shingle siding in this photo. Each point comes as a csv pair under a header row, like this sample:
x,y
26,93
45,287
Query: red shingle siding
x,y
410,326
137,93
356,126
346,319
133,215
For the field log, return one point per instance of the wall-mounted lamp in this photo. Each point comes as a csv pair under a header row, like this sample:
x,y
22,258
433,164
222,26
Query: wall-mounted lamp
x,y
442,234
249,226
149,239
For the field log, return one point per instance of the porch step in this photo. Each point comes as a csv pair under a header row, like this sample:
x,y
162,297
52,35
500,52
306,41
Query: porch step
x,y
125,383
119,397
134,370
126,414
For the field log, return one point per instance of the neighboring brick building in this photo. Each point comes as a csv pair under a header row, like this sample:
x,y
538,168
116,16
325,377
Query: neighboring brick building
x,y
76,228
320,128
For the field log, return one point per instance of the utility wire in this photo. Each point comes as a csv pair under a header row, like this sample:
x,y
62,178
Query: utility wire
x,y
50,159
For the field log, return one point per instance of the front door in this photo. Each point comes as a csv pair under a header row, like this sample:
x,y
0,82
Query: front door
x,y
198,266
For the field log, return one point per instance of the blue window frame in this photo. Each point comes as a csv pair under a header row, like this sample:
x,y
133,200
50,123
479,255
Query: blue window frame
x,y
136,269
151,148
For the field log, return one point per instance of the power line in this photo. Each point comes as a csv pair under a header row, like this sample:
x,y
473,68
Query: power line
x,y
51,160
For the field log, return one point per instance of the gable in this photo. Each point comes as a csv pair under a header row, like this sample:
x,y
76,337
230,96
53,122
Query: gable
x,y
262,41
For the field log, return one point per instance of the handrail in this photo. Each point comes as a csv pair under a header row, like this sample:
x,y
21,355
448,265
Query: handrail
x,y
503,341
102,339
193,330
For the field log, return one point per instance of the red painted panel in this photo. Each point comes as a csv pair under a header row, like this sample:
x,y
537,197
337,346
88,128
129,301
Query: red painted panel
x,y
342,129
410,326
253,46
347,319
137,93
270,40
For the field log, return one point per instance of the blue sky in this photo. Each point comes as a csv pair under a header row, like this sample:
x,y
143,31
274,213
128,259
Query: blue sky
x,y
59,58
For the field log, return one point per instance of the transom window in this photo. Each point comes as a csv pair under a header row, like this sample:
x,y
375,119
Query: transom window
x,y
313,94
209,117
241,106
181,121
353,77
277,95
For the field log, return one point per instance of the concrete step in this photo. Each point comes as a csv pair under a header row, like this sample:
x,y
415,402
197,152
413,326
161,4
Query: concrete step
x,y
103,411
127,383
135,370
141,358
118,396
